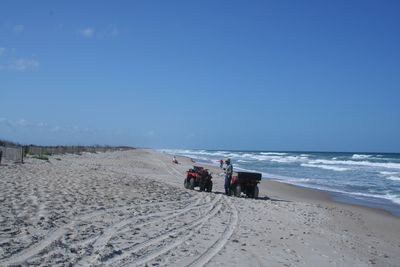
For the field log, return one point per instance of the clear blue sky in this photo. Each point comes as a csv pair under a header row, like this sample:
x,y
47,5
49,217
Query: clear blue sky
x,y
265,75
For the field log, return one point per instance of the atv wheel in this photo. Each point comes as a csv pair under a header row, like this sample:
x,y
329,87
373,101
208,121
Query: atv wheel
x,y
186,184
209,187
250,192
255,195
191,185
202,187
238,190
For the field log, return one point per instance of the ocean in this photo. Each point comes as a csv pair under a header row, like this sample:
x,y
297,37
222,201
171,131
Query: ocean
x,y
369,179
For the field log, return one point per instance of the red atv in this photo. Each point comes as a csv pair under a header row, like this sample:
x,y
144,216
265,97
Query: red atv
x,y
198,176
245,182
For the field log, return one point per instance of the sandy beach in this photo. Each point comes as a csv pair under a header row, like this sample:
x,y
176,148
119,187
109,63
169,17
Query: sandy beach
x,y
129,208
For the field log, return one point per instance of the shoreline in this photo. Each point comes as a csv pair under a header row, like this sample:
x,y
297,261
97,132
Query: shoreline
x,y
300,193
336,197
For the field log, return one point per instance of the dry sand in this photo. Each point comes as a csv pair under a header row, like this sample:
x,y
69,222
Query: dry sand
x,y
130,209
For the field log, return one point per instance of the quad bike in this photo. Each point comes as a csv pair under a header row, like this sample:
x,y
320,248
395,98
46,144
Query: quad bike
x,y
245,182
198,176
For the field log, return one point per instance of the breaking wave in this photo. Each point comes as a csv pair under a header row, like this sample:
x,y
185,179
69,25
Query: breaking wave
x,y
393,178
360,156
389,165
325,167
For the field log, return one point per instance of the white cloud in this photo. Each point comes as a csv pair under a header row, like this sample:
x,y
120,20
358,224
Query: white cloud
x,y
41,124
55,129
22,64
151,133
18,28
110,31
88,32
10,61
191,135
22,123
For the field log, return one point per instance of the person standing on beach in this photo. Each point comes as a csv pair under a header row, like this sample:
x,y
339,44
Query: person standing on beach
x,y
1,155
221,163
228,177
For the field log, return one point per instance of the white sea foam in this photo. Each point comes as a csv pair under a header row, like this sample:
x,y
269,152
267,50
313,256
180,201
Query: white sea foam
x,y
273,153
361,156
273,157
248,155
389,165
204,153
388,173
393,198
300,180
393,178
289,159
326,167
279,157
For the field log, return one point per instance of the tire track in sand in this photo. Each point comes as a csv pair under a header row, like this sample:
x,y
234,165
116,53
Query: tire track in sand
x,y
220,243
169,168
187,232
58,233
111,231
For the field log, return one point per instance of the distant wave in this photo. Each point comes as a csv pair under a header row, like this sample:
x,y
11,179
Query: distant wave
x,y
273,153
361,156
290,159
393,178
389,165
279,157
326,167
388,173
300,180
393,198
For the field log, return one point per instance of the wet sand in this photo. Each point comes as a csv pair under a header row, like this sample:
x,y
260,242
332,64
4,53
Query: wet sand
x,y
130,208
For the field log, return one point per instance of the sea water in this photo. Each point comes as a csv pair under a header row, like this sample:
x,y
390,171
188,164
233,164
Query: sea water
x,y
370,179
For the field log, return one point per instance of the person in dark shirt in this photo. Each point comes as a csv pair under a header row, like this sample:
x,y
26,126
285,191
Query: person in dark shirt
x,y
228,176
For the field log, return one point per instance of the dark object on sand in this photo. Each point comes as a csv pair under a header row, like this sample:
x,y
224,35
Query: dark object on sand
x,y
198,176
246,182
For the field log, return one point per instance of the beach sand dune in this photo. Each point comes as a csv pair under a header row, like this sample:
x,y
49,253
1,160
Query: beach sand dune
x,y
129,208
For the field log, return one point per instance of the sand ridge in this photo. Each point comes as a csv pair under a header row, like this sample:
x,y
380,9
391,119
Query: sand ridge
x,y
130,208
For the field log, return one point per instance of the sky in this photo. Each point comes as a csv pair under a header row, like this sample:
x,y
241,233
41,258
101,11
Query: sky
x,y
245,75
